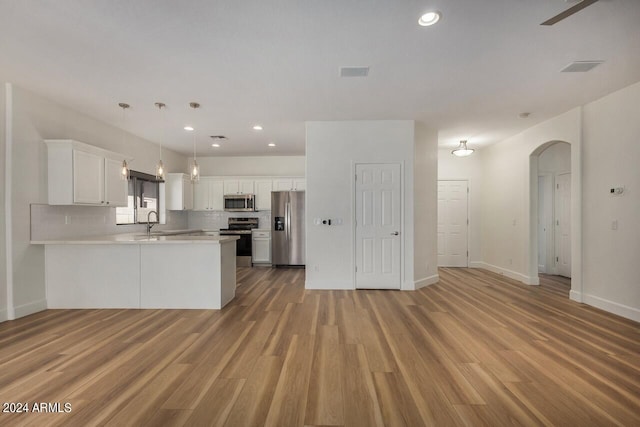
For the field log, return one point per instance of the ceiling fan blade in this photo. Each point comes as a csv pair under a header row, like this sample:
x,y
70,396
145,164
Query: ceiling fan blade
x,y
573,9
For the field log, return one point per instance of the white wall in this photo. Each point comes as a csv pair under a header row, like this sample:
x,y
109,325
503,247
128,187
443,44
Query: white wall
x,y
425,207
332,149
3,217
468,168
509,198
36,119
611,151
555,158
252,166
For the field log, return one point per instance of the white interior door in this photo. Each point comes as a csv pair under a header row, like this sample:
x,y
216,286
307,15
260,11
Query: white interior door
x,y
563,224
378,237
453,223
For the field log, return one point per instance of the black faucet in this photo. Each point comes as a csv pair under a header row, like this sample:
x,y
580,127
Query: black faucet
x,y
149,224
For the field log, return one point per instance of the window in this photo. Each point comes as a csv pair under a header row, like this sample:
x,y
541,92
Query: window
x,y
144,197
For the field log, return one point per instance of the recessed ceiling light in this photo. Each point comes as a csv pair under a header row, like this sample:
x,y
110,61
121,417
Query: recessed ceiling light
x,y
429,18
215,145
271,144
189,128
257,127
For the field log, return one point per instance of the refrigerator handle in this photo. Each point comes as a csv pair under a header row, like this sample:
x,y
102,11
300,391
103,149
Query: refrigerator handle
x,y
287,220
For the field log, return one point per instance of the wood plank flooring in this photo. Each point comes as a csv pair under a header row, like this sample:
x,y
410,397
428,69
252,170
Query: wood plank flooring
x,y
475,349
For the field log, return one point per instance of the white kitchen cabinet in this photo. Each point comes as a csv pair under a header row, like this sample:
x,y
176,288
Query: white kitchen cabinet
x,y
299,184
238,186
263,188
289,184
261,247
88,178
178,192
81,174
116,189
208,194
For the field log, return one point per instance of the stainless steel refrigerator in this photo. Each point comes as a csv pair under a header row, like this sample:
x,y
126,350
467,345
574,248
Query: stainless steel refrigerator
x,y
287,228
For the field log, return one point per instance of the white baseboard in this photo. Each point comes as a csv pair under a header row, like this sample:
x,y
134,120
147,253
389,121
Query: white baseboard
x,y
575,296
30,308
329,284
611,306
508,273
421,283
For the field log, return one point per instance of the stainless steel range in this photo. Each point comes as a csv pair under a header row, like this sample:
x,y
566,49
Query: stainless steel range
x,y
241,227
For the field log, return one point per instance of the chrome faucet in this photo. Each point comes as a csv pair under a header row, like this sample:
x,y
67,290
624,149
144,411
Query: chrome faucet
x,y
149,224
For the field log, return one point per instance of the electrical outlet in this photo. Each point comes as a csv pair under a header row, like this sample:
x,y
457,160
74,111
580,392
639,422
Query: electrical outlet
x,y
316,268
67,219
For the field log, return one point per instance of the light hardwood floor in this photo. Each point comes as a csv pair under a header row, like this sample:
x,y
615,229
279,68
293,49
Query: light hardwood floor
x,y
475,349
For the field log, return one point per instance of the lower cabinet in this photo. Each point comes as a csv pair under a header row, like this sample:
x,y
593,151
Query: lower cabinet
x,y
261,247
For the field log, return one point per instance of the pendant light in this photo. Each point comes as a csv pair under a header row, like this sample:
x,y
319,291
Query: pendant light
x,y
195,169
160,165
124,170
462,150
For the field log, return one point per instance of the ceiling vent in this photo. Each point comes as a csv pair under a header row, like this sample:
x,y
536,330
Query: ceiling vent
x,y
580,66
218,137
354,71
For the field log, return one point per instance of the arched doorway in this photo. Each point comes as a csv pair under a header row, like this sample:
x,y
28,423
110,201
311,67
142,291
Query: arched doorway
x,y
571,180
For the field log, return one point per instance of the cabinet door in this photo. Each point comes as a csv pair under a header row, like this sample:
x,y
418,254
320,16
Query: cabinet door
x,y
88,178
282,184
231,186
115,188
246,186
261,251
216,195
201,194
300,184
263,190
187,193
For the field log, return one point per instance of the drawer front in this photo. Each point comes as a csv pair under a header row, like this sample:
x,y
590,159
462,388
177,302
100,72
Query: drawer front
x,y
261,234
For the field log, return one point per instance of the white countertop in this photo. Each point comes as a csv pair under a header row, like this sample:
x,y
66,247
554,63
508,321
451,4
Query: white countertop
x,y
141,239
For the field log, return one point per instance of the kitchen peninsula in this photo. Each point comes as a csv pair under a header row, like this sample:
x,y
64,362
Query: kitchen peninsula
x,y
183,271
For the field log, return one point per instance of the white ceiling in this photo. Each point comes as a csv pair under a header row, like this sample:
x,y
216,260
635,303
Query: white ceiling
x,y
276,63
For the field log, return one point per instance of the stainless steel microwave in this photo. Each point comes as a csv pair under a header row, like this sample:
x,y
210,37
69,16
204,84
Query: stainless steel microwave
x,y
240,202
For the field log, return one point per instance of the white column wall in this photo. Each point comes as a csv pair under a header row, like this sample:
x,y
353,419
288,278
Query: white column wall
x,y
611,151
332,149
3,216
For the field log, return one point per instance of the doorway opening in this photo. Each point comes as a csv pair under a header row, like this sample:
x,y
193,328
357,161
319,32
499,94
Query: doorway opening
x,y
554,210
555,214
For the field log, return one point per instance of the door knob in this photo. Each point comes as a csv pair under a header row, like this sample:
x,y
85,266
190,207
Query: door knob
x,y
395,233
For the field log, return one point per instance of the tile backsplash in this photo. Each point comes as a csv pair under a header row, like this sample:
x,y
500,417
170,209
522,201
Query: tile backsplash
x,y
57,222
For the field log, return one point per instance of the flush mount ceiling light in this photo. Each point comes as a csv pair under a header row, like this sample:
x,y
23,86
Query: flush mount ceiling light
x,y
429,18
215,145
188,128
462,150
271,144
257,127
124,170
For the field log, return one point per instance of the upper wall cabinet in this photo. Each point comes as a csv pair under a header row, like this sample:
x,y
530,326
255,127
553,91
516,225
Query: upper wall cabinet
x,y
238,186
208,194
263,188
81,174
178,192
289,184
